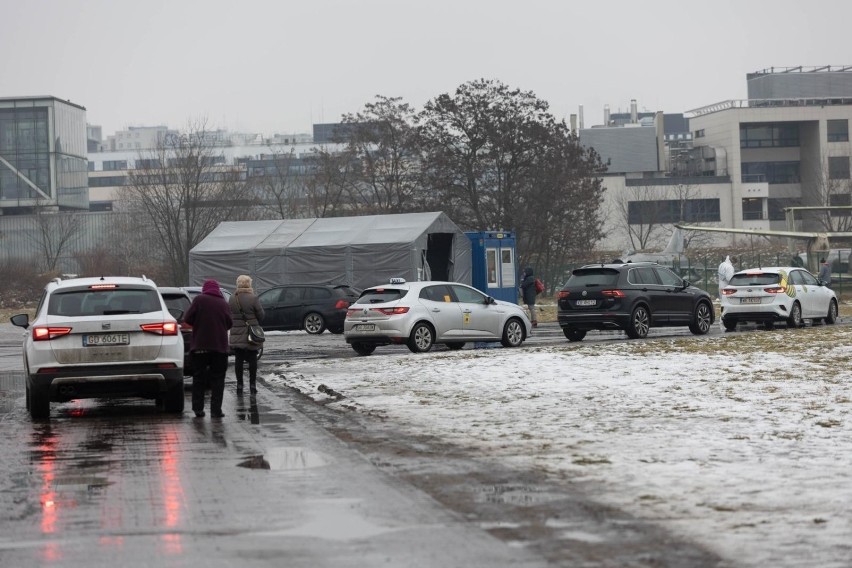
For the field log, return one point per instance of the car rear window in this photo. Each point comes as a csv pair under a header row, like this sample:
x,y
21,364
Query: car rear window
x,y
103,302
755,279
590,277
380,295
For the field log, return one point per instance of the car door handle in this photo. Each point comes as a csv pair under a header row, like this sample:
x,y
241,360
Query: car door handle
x,y
436,309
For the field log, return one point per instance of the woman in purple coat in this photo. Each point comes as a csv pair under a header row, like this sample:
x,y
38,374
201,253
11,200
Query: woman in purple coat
x,y
210,318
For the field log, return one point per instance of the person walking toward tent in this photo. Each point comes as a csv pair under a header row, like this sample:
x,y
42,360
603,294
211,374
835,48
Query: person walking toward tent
x,y
528,293
245,310
210,319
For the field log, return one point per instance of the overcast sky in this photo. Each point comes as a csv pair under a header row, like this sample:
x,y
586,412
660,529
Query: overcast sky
x,y
277,66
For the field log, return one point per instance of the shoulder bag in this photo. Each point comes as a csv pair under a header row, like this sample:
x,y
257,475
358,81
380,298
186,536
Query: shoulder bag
x,y
255,333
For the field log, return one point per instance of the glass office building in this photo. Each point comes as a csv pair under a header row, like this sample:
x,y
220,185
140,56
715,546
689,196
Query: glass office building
x,y
42,155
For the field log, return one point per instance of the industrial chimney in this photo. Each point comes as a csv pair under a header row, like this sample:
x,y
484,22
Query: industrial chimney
x,y
606,115
581,117
634,113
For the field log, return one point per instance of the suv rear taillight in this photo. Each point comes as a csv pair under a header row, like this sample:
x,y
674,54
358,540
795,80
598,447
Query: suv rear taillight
x,y
46,333
774,290
163,328
612,293
341,305
563,294
729,291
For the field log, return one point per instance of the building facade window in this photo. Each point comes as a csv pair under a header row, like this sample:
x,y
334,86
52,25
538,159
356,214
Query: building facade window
x,y
673,211
753,209
769,135
838,167
838,130
770,172
113,165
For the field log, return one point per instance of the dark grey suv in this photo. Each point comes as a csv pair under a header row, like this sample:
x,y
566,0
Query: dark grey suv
x,y
632,297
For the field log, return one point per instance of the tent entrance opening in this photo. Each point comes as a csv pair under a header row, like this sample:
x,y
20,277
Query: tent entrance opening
x,y
438,256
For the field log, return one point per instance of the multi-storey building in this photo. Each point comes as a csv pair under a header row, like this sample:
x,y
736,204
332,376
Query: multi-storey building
x,y
42,155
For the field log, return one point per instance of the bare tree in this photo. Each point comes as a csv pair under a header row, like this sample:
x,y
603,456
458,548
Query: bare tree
x,y
640,214
279,184
55,232
830,185
183,190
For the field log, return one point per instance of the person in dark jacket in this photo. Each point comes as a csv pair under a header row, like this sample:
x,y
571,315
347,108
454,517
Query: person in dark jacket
x,y
245,311
210,318
528,293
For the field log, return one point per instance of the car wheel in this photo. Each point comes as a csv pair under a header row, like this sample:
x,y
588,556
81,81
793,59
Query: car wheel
x,y
455,345
513,333
832,312
795,319
313,323
363,348
703,317
39,404
422,338
174,399
729,325
572,334
640,323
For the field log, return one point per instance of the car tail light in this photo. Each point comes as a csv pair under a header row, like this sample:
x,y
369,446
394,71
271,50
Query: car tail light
x,y
392,311
163,328
612,293
341,305
351,312
774,290
563,294
729,291
46,333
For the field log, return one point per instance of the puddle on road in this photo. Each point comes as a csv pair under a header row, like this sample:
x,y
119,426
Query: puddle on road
x,y
521,495
286,459
335,519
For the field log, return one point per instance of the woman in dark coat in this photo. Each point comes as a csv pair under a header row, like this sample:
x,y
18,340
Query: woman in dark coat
x,y
528,293
245,310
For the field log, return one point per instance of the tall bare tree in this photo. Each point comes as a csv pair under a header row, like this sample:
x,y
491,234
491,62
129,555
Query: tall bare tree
x,y
278,183
182,190
55,232
829,184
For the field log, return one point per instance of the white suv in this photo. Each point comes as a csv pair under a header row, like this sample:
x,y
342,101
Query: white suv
x,y
101,337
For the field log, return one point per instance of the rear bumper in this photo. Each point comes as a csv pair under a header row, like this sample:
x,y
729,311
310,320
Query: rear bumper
x,y
593,320
147,381
749,314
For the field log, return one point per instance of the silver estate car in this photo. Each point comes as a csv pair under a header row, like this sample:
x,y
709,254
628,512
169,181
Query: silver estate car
x,y
420,314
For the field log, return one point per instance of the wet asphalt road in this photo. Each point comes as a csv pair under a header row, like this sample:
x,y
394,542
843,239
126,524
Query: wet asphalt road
x,y
282,481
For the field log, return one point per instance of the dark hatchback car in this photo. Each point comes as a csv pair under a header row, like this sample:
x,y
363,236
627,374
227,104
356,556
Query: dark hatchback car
x,y
632,297
312,307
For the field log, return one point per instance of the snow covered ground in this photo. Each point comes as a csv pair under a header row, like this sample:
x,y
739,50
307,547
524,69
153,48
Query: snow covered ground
x,y
741,442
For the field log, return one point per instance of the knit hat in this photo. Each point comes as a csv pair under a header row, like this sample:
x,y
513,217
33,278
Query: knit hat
x,y
211,287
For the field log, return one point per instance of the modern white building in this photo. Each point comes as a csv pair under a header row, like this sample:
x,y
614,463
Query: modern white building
x,y
787,145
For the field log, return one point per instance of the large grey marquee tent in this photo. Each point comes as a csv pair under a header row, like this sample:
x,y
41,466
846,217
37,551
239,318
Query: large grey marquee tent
x,y
358,251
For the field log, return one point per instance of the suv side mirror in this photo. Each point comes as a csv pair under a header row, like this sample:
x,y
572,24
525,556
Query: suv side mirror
x,y
21,320
686,284
489,300
177,313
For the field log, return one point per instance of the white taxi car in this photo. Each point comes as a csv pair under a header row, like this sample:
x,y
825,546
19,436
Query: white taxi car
x,y
420,314
778,294
101,337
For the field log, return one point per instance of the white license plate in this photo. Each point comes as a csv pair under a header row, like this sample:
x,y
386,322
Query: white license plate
x,y
749,300
365,327
99,339
586,302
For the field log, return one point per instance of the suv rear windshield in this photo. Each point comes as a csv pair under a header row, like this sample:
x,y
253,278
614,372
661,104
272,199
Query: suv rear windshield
x,y
104,302
588,277
380,295
756,279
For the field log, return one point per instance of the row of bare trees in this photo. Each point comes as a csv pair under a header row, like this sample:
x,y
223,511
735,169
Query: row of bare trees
x,y
489,156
